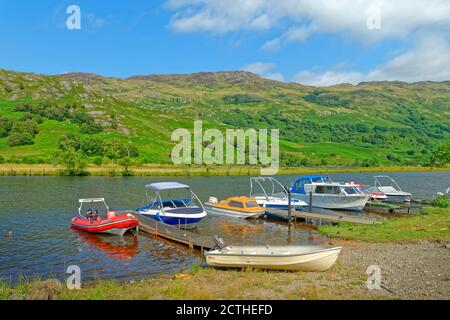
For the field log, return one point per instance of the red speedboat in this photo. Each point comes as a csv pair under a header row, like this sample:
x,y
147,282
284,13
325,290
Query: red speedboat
x,y
114,223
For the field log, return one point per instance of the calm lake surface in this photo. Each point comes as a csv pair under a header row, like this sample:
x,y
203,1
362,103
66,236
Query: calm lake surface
x,y
38,211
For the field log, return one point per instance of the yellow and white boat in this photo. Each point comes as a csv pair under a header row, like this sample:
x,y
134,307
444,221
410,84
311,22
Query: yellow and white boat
x,y
237,207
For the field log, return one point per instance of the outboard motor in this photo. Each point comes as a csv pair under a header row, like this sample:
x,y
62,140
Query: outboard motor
x,y
220,243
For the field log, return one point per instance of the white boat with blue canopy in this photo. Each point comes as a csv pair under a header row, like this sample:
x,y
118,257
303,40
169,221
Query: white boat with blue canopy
x,y
172,203
270,193
327,194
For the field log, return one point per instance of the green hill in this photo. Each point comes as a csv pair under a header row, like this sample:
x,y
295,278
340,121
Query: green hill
x,y
378,123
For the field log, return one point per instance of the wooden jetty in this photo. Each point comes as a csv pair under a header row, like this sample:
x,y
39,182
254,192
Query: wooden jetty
x,y
326,216
173,233
402,208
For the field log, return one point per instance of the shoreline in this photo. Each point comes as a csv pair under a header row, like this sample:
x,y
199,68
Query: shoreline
x,y
171,170
408,271
413,263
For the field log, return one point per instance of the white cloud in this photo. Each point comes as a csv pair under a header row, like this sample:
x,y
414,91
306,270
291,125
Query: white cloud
x,y
297,34
265,70
301,18
429,60
95,21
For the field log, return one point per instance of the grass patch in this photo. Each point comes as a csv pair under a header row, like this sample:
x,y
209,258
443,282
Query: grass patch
x,y
10,169
431,224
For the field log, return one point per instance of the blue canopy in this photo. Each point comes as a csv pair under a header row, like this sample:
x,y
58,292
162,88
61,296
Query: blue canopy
x,y
159,186
299,185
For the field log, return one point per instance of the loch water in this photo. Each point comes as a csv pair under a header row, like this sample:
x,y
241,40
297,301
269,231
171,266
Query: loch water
x,y
37,211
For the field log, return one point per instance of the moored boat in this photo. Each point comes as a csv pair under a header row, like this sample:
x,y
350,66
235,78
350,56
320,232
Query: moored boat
x,y
294,258
327,194
272,194
391,189
112,222
184,210
373,194
236,207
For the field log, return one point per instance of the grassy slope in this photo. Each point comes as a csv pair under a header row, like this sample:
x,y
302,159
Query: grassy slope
x,y
150,109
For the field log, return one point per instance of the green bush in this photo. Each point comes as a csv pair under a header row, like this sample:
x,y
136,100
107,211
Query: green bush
x,y
5,126
69,141
441,201
441,155
19,139
97,161
92,146
91,128
26,126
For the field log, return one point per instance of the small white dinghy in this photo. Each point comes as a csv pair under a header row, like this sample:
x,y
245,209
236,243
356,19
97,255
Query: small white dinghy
x,y
295,258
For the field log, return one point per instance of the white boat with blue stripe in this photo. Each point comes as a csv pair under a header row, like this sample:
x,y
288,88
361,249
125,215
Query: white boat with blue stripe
x,y
172,203
270,193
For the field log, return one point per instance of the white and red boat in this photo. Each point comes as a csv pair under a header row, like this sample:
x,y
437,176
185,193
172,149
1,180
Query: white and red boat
x,y
114,223
374,195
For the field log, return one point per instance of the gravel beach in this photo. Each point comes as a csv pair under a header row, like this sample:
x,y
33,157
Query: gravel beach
x,y
408,271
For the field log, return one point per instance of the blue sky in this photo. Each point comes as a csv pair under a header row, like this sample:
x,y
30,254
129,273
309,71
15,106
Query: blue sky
x,y
308,41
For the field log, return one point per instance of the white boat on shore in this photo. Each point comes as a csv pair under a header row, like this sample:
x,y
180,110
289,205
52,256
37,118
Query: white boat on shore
x,y
272,194
294,258
391,189
327,194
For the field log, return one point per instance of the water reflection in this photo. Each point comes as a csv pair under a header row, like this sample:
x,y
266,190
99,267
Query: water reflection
x,y
115,247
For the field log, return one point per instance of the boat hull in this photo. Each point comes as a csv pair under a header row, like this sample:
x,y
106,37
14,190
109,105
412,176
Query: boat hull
x,y
186,218
335,202
117,226
313,261
280,204
398,197
231,213
182,222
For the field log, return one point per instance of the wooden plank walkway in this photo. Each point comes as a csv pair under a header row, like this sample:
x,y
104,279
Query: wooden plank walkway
x,y
392,207
327,217
173,233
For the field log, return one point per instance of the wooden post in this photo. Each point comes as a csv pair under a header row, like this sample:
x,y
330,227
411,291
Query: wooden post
x,y
288,190
310,201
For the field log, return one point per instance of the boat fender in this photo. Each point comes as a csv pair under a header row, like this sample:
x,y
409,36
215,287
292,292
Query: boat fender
x,y
213,200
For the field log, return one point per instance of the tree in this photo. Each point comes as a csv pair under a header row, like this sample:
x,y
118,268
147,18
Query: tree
x,y
5,127
26,126
19,139
72,162
126,162
92,146
441,156
69,141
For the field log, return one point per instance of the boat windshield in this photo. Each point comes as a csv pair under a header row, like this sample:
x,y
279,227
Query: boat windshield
x,y
172,199
251,204
352,190
266,187
236,204
326,189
